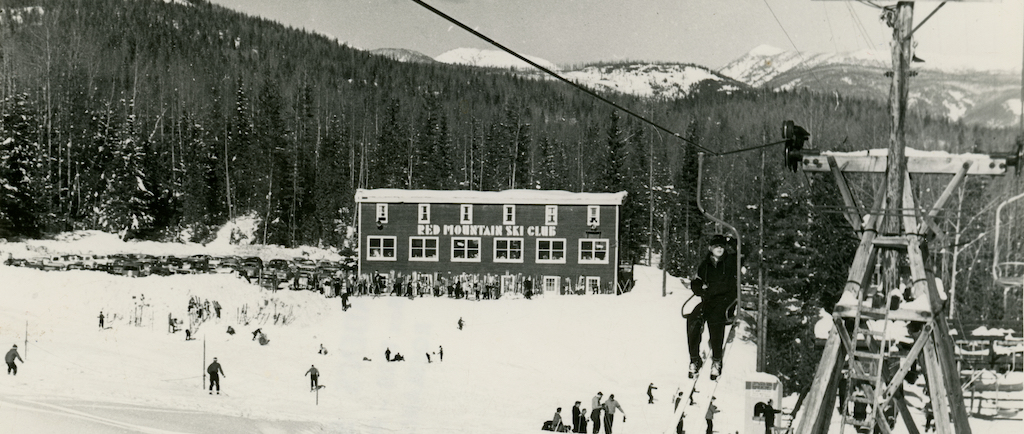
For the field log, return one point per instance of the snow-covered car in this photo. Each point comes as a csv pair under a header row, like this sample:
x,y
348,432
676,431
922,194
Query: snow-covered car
x,y
225,265
96,262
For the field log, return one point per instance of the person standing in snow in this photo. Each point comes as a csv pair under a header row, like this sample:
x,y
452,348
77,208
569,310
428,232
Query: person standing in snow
x,y
650,394
9,358
314,375
215,372
387,355
712,409
461,323
769,413
440,353
715,284
101,320
576,417
216,308
595,413
609,413
428,357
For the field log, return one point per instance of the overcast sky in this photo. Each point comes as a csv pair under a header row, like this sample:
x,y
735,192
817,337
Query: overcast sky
x,y
706,32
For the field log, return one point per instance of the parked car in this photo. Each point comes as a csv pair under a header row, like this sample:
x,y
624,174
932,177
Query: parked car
x,y
96,262
127,266
226,265
197,264
278,271
251,267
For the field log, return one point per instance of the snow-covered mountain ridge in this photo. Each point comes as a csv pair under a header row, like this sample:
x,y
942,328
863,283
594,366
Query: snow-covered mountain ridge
x,y
975,90
659,80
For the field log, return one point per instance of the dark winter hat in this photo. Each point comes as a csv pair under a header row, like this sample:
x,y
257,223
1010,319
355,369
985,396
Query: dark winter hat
x,y
719,240
15,346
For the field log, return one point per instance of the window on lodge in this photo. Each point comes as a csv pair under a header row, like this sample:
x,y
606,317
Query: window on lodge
x,y
551,250
380,248
509,215
593,215
423,213
551,283
423,249
465,249
382,213
551,214
508,250
593,251
593,284
466,214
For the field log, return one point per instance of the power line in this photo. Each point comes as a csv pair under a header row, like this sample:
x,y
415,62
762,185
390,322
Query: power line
x,y
556,75
798,53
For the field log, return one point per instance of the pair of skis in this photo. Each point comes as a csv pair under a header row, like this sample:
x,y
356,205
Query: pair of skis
x,y
696,400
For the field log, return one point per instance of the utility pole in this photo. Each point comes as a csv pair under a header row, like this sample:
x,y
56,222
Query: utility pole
x,y
664,254
901,19
762,307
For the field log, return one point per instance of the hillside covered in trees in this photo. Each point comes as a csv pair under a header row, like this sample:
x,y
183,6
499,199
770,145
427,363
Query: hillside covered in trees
x,y
162,121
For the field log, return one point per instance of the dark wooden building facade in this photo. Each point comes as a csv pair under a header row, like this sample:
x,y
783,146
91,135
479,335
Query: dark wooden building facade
x,y
514,240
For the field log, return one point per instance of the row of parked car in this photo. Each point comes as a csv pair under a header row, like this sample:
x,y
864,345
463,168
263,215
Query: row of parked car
x,y
252,267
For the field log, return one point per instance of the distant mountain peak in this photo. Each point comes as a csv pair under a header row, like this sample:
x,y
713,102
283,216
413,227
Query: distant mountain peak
x,y
491,59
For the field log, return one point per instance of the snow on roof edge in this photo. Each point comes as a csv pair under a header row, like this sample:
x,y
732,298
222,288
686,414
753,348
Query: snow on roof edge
x,y
511,197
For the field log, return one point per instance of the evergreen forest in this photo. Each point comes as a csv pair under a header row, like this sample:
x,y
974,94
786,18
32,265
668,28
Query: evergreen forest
x,y
164,121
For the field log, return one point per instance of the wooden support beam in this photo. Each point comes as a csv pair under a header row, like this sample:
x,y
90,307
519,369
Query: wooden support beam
x,y
850,212
876,161
946,358
937,389
904,410
958,178
865,250
908,362
910,223
817,414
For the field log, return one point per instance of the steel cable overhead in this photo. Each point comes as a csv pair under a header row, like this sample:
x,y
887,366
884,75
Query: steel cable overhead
x,y
556,75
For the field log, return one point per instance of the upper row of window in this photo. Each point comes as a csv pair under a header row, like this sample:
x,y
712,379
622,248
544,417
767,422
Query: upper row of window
x,y
508,214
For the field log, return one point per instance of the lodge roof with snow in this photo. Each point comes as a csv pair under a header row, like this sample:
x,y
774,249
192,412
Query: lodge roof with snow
x,y
509,197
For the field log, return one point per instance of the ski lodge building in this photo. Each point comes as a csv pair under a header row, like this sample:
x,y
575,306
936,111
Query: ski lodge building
x,y
514,240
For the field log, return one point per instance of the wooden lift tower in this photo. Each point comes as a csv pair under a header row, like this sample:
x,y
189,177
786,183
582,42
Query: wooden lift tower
x,y
858,358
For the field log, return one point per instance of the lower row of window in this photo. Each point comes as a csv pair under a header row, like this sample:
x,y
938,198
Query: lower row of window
x,y
506,250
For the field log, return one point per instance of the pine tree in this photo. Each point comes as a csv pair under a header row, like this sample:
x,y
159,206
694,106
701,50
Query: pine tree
x,y
19,161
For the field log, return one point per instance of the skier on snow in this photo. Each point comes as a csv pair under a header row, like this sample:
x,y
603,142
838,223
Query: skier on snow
x,y
215,371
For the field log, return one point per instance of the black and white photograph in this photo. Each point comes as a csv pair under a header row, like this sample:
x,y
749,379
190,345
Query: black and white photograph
x,y
512,216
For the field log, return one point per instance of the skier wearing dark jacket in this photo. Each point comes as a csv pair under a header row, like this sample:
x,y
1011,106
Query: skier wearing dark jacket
x,y
715,284
9,358
215,372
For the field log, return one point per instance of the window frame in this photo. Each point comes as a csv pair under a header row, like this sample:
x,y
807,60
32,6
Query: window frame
x,y
552,261
551,215
464,211
506,212
607,251
593,215
586,284
479,249
370,248
436,248
557,285
522,250
382,213
423,213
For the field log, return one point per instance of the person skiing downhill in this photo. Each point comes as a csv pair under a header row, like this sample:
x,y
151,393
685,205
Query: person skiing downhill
x,y
9,358
215,371
715,284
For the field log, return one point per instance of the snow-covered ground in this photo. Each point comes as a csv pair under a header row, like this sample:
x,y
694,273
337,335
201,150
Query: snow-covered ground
x,y
515,361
